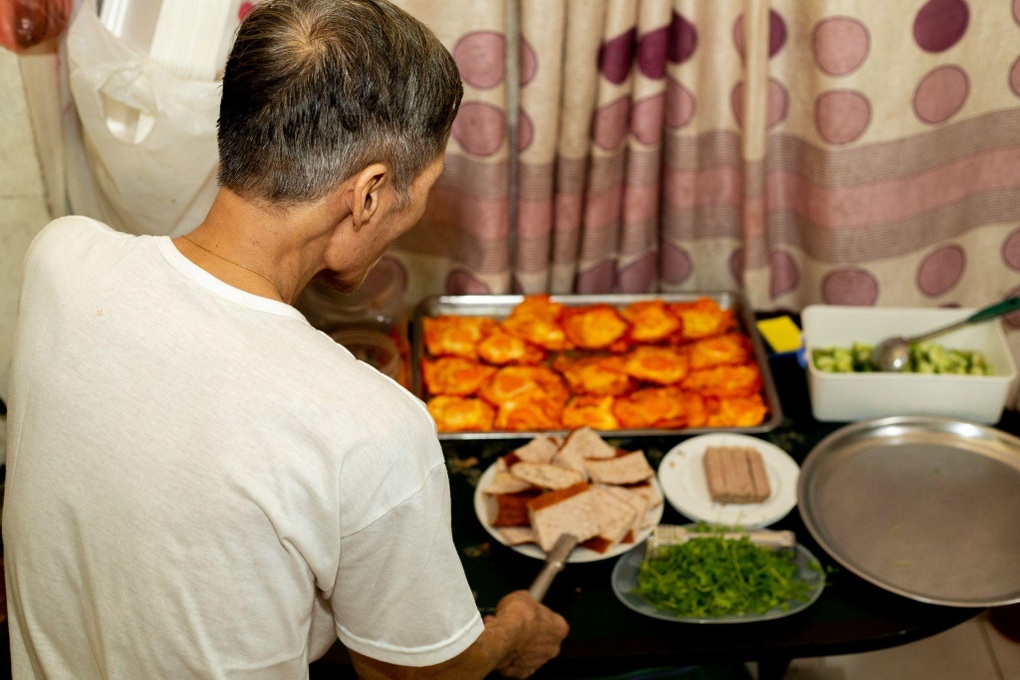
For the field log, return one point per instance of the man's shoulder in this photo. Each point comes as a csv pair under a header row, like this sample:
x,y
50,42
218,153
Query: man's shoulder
x,y
77,227
68,237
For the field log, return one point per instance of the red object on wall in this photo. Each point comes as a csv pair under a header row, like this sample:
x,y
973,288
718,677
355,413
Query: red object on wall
x,y
26,23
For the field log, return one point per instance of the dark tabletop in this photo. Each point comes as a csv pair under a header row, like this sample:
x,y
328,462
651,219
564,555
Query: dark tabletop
x,y
852,615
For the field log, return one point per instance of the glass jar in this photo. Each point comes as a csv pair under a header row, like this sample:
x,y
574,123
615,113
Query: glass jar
x,y
376,309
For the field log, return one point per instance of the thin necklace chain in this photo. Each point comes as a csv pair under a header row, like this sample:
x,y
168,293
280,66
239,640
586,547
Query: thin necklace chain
x,y
283,297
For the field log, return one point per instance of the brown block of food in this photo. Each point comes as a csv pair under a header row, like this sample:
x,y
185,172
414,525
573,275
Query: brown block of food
x,y
736,474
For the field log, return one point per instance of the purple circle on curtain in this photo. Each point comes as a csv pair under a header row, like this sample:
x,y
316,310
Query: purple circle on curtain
x,y
683,39
680,104
737,264
651,52
646,118
840,45
459,282
598,279
1014,76
850,287
941,94
777,33
525,130
776,103
785,275
941,270
1013,318
1016,11
940,24
616,56
639,276
610,123
677,265
1011,250
842,115
479,128
481,58
527,62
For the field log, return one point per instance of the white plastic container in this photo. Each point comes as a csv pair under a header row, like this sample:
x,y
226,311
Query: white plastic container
x,y
860,396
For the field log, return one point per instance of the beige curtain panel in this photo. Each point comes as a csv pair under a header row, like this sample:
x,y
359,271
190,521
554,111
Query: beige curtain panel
x,y
799,151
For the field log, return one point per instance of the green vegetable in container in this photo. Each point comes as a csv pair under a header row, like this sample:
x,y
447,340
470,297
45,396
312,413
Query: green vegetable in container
x,y
925,357
712,577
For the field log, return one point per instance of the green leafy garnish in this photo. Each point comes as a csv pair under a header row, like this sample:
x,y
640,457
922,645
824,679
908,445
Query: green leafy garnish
x,y
712,577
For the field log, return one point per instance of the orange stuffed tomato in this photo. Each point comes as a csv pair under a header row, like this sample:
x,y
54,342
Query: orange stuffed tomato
x,y
743,380
502,347
461,414
719,350
595,327
592,411
702,318
661,365
459,336
537,319
454,376
651,321
594,375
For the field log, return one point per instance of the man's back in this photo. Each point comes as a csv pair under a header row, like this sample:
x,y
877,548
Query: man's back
x,y
185,462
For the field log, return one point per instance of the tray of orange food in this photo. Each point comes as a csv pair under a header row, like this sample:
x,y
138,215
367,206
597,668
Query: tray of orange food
x,y
492,366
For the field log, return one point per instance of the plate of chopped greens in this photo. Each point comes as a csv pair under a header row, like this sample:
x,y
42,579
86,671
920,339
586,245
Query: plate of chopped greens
x,y
718,580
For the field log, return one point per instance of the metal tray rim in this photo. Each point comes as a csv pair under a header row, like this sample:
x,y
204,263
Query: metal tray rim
x,y
851,432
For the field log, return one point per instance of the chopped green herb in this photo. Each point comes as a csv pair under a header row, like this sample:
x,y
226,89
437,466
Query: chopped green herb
x,y
711,577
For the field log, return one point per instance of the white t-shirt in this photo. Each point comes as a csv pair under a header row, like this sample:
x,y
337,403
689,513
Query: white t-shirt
x,y
200,484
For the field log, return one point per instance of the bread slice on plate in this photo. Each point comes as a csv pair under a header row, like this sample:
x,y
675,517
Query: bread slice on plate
x,y
506,482
546,475
616,516
587,443
640,502
518,535
538,450
630,468
570,510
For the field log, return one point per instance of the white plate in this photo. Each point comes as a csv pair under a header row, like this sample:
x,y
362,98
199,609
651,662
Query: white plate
x,y
580,553
625,575
682,476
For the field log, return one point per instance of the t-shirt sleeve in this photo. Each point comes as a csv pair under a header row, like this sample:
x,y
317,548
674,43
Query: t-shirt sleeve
x,y
401,595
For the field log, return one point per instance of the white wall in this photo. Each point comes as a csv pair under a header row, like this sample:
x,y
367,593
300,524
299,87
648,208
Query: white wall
x,y
23,210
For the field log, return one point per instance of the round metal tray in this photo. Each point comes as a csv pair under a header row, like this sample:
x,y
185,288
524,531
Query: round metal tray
x,y
925,507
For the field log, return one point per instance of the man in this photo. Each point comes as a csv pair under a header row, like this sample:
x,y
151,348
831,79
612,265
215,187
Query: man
x,y
199,483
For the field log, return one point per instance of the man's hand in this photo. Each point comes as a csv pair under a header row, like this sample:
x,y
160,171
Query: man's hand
x,y
537,633
521,637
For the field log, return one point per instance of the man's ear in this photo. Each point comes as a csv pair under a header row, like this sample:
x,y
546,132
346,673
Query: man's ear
x,y
368,189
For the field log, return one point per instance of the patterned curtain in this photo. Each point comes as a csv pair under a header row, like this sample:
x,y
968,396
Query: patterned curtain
x,y
799,151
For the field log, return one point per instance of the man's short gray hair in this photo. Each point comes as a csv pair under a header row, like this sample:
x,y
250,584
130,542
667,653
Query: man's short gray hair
x,y
316,90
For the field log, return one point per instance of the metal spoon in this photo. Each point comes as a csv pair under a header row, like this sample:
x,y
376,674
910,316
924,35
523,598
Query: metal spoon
x,y
893,354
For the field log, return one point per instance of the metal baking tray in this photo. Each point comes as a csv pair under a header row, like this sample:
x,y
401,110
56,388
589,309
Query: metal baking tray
x,y
500,306
925,507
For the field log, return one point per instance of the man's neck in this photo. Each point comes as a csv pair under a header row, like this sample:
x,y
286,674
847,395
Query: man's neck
x,y
267,253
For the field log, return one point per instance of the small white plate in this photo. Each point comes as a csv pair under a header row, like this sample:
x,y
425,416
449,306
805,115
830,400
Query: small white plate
x,y
682,477
580,553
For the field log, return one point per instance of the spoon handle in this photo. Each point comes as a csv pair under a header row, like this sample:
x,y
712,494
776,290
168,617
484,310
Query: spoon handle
x,y
1004,307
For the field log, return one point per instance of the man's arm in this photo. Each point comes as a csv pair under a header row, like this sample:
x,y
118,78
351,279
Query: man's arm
x,y
521,637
